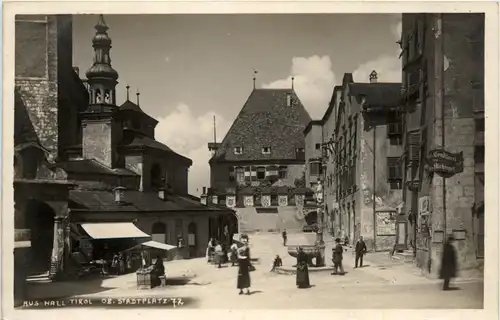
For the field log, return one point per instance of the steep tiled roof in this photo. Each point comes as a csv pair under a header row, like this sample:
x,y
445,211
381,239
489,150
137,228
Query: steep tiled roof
x,y
129,105
378,94
266,121
137,201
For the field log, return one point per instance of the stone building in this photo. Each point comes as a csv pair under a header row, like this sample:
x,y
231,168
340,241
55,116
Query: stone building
x,y
443,160
80,160
360,138
258,168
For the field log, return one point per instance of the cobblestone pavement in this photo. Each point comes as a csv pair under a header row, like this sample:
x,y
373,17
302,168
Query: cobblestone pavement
x,y
380,284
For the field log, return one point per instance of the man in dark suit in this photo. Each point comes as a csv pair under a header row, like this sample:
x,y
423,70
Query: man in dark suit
x,y
360,251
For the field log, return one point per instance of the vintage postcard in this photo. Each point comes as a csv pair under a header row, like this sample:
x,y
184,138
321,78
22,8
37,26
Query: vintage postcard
x,y
233,157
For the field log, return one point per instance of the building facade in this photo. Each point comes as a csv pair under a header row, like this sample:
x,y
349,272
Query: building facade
x,y
361,144
443,160
258,168
81,159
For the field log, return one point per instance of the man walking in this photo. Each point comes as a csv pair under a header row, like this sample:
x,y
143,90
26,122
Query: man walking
x,y
284,237
448,263
337,255
360,251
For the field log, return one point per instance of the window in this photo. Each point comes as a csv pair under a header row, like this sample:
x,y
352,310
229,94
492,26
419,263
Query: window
x,y
394,170
318,146
231,174
240,174
282,172
238,150
156,176
266,150
394,129
395,141
261,173
315,168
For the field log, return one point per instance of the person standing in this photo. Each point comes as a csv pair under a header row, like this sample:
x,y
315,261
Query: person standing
x,y
448,263
337,255
243,281
218,256
302,279
284,235
234,254
360,251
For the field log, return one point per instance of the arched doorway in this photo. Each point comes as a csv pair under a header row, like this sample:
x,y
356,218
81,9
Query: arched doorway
x,y
159,232
192,240
40,221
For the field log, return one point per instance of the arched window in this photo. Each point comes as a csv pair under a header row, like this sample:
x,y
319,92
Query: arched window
x,y
156,176
159,232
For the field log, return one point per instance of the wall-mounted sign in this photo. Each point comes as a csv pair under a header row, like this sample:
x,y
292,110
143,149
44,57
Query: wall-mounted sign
x,y
231,201
283,201
444,163
438,236
386,224
424,205
459,234
248,201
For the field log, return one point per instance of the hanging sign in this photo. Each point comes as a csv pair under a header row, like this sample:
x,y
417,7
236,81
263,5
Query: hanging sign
x,y
444,163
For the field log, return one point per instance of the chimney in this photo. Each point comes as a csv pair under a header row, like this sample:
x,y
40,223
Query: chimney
x,y
203,197
119,194
288,99
373,77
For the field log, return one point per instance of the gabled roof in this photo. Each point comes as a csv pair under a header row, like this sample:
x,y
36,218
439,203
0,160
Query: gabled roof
x,y
378,94
266,121
129,105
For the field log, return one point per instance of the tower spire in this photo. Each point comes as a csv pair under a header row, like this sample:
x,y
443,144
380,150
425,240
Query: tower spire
x,y
128,96
138,94
215,131
101,76
254,77
293,78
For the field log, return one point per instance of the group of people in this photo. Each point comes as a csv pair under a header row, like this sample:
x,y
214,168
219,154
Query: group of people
x,y
217,253
447,271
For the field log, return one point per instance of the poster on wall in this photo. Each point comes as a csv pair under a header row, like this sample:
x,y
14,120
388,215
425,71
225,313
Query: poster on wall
x,y
231,201
248,201
386,224
266,201
424,205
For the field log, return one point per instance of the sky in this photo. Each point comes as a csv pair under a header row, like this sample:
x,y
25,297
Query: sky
x,y
190,68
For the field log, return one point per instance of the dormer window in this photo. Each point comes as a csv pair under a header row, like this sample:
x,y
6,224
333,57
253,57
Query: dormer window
x,y
266,150
238,150
289,100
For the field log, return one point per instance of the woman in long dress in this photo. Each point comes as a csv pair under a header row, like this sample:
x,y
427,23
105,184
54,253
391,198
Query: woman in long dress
x,y
218,255
244,269
302,280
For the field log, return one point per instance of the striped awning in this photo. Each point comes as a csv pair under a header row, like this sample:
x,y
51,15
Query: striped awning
x,y
115,230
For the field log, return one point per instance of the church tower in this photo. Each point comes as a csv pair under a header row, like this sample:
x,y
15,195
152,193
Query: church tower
x,y
101,131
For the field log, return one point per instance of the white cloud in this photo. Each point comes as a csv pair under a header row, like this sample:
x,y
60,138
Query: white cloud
x,y
387,66
314,82
188,135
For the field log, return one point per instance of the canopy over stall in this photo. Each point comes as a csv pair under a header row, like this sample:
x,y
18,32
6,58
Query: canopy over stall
x,y
155,245
115,230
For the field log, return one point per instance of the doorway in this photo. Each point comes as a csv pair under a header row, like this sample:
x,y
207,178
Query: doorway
x,y
40,221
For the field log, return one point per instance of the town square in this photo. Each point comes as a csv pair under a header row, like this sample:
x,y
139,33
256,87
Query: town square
x,y
181,156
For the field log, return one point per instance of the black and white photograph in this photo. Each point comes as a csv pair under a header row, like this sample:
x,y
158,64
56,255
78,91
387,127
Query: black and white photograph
x,y
247,161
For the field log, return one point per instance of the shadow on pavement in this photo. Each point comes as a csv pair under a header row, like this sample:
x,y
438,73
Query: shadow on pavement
x,y
254,292
65,289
